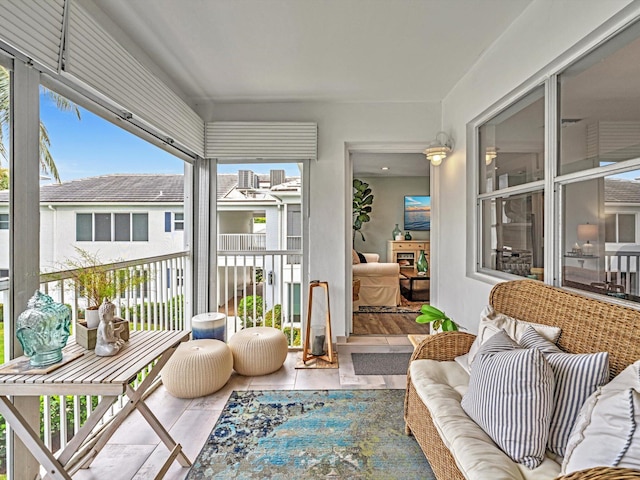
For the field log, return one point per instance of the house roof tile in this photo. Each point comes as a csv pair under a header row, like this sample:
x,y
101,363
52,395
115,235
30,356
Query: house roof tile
x,y
618,190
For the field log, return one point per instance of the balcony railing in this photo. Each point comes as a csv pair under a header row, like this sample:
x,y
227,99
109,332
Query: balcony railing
x,y
247,242
155,304
250,242
261,289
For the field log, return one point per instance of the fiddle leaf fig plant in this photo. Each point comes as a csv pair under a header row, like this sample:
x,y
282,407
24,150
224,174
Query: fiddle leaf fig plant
x,y
362,206
437,318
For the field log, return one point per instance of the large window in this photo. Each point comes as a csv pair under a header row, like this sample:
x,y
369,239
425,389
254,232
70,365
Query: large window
x,y
108,227
511,202
592,159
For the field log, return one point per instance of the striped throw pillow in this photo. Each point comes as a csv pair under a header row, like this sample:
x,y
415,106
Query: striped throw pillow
x,y
510,397
577,376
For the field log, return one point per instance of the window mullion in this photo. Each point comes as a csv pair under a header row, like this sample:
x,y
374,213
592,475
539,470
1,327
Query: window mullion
x,y
518,189
552,229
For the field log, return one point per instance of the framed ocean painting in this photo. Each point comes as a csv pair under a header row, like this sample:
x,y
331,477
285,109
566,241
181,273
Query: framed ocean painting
x,y
417,213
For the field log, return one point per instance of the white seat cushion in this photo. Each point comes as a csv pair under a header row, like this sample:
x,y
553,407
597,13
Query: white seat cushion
x,y
440,386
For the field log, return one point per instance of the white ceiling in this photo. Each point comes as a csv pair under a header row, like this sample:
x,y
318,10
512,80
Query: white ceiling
x,y
313,50
398,164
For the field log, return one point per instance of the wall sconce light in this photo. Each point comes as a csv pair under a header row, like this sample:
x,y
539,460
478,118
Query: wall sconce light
x,y
439,148
587,232
490,154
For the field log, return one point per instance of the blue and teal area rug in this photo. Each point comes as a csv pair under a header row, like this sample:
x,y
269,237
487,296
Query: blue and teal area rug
x,y
323,434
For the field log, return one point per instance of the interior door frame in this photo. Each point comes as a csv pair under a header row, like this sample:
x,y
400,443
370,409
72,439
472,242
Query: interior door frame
x,y
368,147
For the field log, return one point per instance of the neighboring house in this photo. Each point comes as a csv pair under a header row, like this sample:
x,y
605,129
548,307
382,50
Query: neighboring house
x,y
119,217
242,199
134,216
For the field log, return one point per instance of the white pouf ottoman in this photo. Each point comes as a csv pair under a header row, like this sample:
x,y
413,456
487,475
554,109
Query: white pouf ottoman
x,y
198,368
258,350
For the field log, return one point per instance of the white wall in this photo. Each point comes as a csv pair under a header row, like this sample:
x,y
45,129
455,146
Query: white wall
x,y
543,32
235,221
388,209
338,123
58,235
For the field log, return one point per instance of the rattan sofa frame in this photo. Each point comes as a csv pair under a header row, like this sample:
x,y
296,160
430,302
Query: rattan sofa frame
x,y
588,325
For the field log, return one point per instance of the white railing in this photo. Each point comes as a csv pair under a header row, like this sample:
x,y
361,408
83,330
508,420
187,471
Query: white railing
x,y
273,276
155,304
251,242
241,242
621,268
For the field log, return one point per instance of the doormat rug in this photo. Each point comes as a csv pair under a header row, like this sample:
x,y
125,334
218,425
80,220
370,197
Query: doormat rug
x,y
380,363
307,434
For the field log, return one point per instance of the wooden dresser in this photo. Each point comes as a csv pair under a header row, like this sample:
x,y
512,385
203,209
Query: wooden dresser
x,y
406,252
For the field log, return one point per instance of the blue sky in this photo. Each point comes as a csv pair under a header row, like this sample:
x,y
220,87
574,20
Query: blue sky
x,y
93,146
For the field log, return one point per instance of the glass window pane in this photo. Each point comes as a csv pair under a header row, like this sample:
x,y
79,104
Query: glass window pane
x,y
595,259
610,228
178,221
123,227
84,227
598,111
512,145
4,221
512,234
626,228
103,227
140,227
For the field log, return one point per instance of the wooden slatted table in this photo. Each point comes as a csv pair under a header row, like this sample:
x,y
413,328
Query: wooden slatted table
x,y
93,375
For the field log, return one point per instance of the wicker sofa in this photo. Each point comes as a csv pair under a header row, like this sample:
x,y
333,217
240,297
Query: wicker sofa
x,y
588,325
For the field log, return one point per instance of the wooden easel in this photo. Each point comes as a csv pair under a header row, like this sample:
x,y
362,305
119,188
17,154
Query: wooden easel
x,y
306,355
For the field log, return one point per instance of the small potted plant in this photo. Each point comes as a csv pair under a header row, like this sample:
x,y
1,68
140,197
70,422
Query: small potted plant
x,y
437,318
96,281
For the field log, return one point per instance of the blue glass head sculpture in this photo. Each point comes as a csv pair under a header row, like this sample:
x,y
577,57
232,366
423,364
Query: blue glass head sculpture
x,y
43,330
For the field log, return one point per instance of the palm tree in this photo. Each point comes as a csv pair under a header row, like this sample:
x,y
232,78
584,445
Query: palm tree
x,y
47,163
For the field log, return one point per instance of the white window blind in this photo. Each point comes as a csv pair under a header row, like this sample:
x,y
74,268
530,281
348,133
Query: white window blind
x,y
34,28
96,58
262,140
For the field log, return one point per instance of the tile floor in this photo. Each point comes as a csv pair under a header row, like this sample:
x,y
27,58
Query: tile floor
x,y
135,452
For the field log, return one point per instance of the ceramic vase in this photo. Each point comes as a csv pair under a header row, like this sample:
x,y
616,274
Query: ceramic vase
x,y
396,232
422,265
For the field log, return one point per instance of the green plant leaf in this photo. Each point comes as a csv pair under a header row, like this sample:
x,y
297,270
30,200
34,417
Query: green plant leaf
x,y
449,325
357,183
424,319
431,310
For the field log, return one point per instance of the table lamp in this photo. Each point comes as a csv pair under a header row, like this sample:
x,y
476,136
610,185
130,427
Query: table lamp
x,y
586,233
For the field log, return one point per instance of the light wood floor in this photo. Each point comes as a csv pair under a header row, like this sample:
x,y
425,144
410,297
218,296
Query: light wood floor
x,y
387,324
135,453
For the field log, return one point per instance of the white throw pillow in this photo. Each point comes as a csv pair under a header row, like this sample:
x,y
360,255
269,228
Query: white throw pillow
x,y
607,431
510,397
491,322
577,376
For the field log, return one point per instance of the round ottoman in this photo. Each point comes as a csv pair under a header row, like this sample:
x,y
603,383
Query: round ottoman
x,y
198,368
258,350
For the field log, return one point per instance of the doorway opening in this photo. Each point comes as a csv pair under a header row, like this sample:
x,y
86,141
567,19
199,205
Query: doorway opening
x,y
387,241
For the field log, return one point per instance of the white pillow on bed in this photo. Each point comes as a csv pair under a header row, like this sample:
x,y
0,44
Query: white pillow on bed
x,y
492,322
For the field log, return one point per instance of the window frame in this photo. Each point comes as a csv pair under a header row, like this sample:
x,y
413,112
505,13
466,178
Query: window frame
x,y
113,226
553,184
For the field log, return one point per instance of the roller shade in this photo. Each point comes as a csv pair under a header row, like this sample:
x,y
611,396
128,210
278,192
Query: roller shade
x,y
97,59
34,28
263,140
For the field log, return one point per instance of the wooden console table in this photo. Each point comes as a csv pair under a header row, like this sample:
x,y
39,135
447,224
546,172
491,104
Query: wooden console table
x,y
93,375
